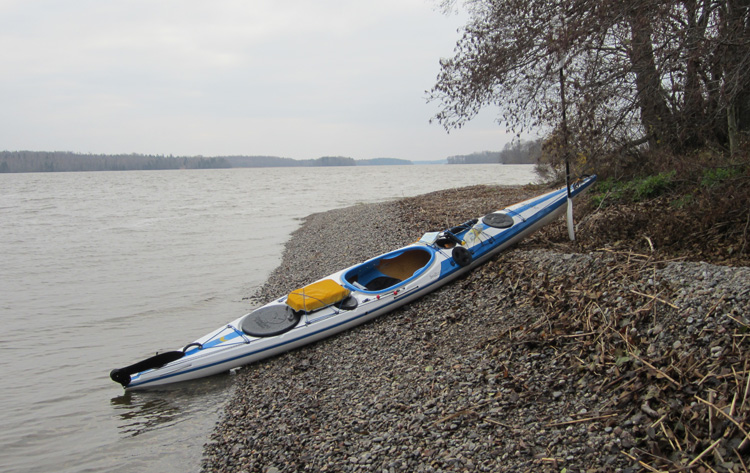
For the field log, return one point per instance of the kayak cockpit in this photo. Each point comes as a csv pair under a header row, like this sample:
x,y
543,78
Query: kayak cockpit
x,y
386,271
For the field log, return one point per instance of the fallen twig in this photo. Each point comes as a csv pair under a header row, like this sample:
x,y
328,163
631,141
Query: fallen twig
x,y
650,243
744,467
626,253
710,447
730,418
496,422
643,464
578,421
738,321
708,314
655,369
655,298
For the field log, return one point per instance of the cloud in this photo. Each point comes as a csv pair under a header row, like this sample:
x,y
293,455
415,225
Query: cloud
x,y
287,77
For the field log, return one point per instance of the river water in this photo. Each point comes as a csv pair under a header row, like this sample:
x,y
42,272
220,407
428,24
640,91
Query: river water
x,y
99,270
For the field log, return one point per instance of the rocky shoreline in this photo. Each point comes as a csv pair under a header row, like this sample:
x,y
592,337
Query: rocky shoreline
x,y
544,359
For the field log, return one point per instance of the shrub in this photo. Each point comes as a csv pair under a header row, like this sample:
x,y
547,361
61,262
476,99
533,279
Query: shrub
x,y
652,186
715,176
610,191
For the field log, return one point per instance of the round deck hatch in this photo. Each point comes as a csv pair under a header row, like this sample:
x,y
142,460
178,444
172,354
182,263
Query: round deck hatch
x,y
498,220
269,321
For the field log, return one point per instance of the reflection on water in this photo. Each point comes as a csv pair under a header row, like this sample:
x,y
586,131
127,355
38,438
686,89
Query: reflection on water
x,y
140,412
139,415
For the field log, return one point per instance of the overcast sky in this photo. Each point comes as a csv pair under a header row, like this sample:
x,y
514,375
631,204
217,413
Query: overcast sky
x,y
291,78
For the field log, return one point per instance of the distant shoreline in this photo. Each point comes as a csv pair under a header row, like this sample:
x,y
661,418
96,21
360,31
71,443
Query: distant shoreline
x,y
65,161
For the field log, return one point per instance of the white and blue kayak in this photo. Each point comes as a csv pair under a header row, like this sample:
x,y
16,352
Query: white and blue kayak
x,y
351,296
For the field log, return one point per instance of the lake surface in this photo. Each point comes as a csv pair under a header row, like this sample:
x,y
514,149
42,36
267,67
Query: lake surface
x,y
99,270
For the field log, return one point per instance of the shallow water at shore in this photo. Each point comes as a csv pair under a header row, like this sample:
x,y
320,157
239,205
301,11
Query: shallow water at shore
x,y
102,269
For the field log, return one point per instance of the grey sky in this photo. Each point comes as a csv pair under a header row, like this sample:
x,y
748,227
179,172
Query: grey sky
x,y
292,78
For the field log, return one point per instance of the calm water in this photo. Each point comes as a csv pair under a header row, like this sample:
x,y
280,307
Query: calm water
x,y
98,270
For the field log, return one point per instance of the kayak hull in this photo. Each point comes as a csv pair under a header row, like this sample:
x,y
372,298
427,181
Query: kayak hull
x,y
359,293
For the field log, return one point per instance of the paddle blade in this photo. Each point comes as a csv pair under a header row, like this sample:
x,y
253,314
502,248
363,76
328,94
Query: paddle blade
x,y
122,375
571,227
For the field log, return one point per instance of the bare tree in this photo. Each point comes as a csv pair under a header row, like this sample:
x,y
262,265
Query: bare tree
x,y
670,73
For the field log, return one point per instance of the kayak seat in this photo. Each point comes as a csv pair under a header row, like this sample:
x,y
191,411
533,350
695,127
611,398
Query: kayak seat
x,y
376,283
382,282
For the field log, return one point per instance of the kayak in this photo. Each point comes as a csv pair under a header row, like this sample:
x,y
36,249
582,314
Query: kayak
x,y
352,295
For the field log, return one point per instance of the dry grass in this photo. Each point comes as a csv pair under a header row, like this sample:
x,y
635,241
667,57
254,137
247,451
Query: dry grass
x,y
694,390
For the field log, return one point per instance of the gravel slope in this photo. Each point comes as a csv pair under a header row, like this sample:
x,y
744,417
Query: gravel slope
x,y
539,360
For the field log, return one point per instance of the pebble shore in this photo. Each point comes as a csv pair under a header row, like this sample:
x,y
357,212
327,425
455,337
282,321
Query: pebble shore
x,y
540,360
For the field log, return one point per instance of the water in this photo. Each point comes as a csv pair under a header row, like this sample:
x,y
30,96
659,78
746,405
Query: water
x,y
99,270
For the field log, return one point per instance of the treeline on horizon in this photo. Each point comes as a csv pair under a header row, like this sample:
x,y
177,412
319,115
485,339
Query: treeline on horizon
x,y
65,161
517,152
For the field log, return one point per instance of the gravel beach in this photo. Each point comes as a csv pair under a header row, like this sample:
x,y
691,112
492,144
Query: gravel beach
x,y
545,359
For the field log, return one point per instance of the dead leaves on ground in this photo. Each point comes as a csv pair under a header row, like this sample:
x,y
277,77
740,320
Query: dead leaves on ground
x,y
685,401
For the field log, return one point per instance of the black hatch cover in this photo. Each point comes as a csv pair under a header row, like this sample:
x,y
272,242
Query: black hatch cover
x,y
498,220
269,321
